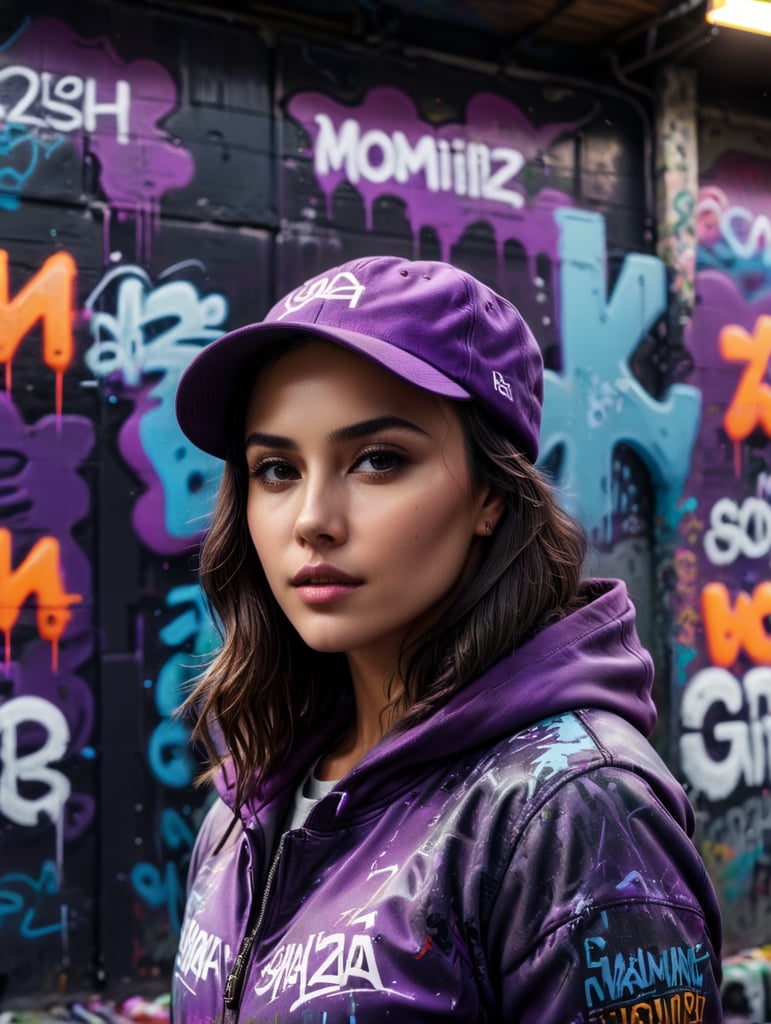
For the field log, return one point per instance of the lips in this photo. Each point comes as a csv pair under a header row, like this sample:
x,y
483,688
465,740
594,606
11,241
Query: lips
x,y
324,576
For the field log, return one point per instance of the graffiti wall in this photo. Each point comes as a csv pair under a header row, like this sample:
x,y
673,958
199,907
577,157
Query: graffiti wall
x,y
131,234
723,650
163,179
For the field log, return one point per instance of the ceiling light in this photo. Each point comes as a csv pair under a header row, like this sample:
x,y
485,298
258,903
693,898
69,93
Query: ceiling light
x,y
748,15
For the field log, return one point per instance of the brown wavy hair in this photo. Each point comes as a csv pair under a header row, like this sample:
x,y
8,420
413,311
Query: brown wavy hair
x,y
265,687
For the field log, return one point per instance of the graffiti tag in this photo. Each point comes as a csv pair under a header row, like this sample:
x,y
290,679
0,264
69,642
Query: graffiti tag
x,y
718,752
64,103
738,530
730,627
40,574
751,403
48,298
23,773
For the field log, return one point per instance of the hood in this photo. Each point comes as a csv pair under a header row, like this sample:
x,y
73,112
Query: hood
x,y
593,658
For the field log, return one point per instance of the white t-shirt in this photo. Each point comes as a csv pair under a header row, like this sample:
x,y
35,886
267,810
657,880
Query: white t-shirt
x,y
307,795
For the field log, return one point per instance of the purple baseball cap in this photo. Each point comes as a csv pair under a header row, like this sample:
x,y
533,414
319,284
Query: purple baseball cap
x,y
431,324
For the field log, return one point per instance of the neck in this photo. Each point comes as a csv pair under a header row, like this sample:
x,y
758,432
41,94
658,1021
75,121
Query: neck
x,y
373,717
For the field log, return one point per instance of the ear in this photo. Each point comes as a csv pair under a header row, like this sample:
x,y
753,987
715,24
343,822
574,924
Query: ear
x,y
490,507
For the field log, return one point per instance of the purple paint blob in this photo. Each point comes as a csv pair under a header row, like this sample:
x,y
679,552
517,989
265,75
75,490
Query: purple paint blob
x,y
104,105
41,490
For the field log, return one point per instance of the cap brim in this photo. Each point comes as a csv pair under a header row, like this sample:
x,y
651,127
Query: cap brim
x,y
209,387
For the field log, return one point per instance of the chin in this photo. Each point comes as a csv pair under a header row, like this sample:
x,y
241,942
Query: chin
x,y
324,645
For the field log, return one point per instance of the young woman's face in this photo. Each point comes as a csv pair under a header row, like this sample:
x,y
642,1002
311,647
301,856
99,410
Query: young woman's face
x,y
360,504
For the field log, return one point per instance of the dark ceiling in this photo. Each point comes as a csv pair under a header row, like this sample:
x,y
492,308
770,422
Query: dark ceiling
x,y
624,41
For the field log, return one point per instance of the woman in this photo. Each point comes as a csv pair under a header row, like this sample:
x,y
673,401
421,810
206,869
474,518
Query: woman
x,y
436,798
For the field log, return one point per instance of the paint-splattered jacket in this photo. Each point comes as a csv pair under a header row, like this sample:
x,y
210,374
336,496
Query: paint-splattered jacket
x,y
522,856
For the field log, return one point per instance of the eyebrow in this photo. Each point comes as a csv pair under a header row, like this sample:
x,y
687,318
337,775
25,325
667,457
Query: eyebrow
x,y
353,432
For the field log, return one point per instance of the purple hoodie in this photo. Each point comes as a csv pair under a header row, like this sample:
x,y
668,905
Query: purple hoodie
x,y
524,855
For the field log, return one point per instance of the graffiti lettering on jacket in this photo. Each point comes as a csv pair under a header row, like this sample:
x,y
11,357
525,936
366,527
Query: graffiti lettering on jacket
x,y
679,1008
645,972
321,966
201,953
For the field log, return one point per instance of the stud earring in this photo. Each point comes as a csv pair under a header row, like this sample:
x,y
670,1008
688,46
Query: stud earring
x,y
488,527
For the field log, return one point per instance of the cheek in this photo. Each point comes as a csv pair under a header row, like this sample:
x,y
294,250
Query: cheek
x,y
252,526
261,530
441,527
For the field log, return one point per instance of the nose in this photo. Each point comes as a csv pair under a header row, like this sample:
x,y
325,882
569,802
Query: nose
x,y
321,519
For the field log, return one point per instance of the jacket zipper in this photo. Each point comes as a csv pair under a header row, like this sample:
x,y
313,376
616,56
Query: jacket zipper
x,y
235,982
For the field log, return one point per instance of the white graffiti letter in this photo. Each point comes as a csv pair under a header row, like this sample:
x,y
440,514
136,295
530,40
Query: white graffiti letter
x,y
512,162
381,169
32,767
332,151
738,531
423,157
716,779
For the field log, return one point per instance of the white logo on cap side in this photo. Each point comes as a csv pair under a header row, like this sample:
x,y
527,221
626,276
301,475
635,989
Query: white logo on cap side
x,y
343,287
502,386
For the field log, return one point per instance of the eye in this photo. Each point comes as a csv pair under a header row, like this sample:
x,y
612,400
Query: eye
x,y
274,471
380,461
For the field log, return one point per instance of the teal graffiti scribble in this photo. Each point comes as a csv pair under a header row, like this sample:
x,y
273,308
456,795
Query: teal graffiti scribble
x,y
168,750
143,331
13,903
164,886
20,152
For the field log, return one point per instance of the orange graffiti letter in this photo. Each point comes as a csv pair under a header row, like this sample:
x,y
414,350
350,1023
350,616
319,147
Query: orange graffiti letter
x,y
48,298
728,629
642,1013
40,574
751,404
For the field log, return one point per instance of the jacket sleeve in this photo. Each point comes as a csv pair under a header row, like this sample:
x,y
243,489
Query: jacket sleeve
x,y
605,913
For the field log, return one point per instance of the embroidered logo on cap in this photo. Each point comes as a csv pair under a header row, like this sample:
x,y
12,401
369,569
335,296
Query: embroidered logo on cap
x,y
502,386
342,286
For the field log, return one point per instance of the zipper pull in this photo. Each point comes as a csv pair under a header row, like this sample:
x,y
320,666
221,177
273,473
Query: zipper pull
x,y
236,977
